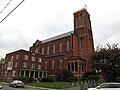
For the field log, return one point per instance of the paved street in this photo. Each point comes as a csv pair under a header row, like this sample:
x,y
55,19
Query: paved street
x,y
6,87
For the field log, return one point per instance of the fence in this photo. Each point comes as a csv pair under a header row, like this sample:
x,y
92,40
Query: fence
x,y
86,84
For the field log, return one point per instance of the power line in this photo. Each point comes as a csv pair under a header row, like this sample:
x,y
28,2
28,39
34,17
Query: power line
x,y
5,6
11,11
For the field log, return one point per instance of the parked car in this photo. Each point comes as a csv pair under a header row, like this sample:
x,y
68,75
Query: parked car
x,y
16,83
107,86
0,87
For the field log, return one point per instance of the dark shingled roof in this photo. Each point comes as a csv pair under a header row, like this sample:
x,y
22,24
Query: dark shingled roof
x,y
76,58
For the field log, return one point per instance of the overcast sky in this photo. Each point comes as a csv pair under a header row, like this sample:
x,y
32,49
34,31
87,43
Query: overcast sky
x,y
42,19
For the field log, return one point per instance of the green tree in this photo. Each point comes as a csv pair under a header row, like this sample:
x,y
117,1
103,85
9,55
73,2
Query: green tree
x,y
2,60
90,76
67,74
22,78
63,75
107,60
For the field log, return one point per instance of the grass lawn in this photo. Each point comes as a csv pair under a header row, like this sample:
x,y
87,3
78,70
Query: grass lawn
x,y
54,85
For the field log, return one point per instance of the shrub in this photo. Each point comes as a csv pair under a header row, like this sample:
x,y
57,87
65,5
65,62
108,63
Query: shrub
x,y
52,78
67,74
5,80
59,76
31,79
49,79
45,79
72,79
63,75
22,78
91,76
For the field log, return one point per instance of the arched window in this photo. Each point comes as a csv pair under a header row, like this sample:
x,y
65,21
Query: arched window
x,y
53,64
17,56
61,64
46,65
81,42
48,50
54,48
36,50
83,69
60,47
33,58
77,21
80,20
42,50
68,45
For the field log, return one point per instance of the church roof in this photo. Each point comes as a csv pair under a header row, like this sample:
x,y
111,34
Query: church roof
x,y
76,58
58,37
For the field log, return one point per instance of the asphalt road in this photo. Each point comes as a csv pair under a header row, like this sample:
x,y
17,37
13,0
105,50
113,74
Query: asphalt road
x,y
6,87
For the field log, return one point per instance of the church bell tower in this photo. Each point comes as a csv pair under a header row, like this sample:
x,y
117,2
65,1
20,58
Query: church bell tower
x,y
82,38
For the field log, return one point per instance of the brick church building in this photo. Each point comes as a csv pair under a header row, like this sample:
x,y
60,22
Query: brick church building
x,y
68,51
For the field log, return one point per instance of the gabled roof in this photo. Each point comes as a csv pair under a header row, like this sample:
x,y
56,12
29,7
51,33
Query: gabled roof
x,y
17,51
76,58
37,43
58,37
